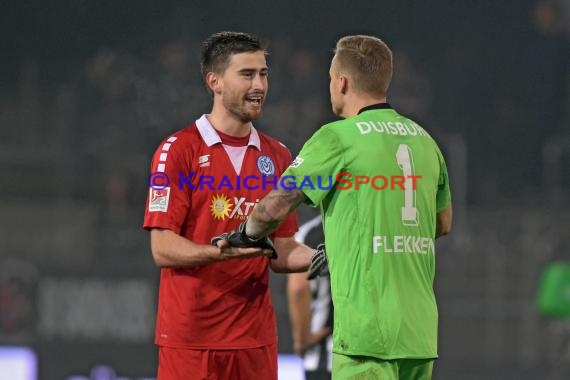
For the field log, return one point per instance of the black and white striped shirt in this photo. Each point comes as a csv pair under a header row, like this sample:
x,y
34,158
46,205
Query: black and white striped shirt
x,y
318,357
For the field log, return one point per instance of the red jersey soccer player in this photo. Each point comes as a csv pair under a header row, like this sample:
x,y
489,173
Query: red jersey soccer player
x,y
215,317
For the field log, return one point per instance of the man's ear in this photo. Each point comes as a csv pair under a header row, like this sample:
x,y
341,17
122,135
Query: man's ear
x,y
343,85
213,82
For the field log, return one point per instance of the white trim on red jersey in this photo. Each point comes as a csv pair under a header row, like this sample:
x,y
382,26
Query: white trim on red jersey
x,y
211,137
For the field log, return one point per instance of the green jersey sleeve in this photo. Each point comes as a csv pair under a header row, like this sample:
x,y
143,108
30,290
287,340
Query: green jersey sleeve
x,y
316,167
443,196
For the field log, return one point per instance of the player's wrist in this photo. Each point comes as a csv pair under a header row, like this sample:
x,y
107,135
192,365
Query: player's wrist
x,y
217,254
244,230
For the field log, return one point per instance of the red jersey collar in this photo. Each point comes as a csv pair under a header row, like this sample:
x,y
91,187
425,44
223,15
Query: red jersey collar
x,y
211,137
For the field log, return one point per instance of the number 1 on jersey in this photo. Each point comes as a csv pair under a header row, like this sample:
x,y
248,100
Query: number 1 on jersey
x,y
405,161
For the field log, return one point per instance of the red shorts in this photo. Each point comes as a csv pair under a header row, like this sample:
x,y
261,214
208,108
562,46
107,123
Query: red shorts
x,y
245,364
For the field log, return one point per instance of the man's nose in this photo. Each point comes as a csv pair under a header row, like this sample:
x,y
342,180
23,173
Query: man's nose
x,y
259,83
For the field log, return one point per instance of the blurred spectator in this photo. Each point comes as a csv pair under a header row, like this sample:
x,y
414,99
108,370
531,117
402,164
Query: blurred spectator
x,y
170,93
106,120
410,90
545,69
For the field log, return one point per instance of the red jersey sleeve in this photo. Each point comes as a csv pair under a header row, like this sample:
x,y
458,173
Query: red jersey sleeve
x,y
290,225
168,203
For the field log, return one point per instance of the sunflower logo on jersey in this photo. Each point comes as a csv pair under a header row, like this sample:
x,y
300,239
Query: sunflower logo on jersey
x,y
220,207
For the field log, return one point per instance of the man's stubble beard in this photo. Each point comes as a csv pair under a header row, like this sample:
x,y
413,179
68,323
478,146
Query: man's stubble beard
x,y
241,113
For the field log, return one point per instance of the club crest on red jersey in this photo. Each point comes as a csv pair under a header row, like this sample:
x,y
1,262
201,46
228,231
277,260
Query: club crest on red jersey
x,y
265,165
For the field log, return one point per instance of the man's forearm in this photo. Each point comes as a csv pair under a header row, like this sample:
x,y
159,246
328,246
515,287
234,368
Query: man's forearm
x,y
443,222
271,211
172,250
293,256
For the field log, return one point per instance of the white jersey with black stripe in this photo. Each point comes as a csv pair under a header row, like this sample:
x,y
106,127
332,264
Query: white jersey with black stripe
x,y
318,357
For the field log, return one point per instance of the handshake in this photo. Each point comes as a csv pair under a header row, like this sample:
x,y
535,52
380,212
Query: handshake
x,y
239,239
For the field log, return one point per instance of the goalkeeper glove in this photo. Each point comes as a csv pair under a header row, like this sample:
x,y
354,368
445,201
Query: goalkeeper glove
x,y
319,264
239,239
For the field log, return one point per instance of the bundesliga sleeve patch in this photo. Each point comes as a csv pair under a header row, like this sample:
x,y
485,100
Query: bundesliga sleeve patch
x,y
158,199
297,162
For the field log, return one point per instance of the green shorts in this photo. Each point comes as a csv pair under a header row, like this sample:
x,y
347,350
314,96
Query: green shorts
x,y
368,368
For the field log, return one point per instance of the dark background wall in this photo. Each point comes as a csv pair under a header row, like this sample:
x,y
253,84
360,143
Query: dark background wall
x,y
89,88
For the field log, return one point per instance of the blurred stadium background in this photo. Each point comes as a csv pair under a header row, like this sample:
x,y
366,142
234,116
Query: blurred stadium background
x,y
89,88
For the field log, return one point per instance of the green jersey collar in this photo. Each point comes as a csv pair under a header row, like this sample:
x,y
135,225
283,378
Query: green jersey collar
x,y
377,106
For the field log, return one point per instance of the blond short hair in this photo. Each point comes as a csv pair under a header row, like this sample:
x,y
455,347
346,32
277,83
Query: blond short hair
x,y
368,61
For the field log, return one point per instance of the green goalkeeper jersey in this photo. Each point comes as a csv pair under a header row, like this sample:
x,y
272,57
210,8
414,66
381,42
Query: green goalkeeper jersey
x,y
379,233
